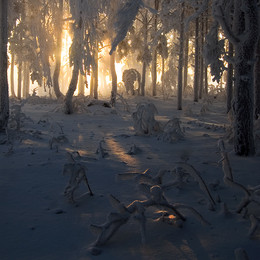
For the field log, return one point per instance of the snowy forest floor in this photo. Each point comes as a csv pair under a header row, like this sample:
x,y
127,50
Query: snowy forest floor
x,y
37,221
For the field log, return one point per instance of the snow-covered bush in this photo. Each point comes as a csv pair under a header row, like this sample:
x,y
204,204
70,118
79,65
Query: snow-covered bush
x,y
172,131
155,199
144,119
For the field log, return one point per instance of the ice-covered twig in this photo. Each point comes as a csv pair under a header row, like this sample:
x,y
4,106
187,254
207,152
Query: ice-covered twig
x,y
101,151
195,174
225,160
240,254
250,193
77,174
254,225
194,211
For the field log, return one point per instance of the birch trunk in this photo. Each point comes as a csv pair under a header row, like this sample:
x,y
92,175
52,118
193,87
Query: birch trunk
x,y
114,79
26,80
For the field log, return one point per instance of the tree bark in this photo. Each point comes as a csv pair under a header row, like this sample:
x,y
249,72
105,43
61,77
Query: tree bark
x,y
196,69
12,76
186,62
257,81
4,98
229,86
91,89
114,79
154,54
244,75
76,46
19,80
26,80
95,73
180,66
81,84
68,105
145,33
201,84
56,72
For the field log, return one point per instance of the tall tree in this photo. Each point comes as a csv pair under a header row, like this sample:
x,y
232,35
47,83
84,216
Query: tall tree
x,y
154,52
75,59
196,65
257,81
180,66
4,98
244,35
230,76
58,28
12,76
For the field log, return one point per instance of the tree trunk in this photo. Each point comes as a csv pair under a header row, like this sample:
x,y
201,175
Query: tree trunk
x,y
95,72
91,89
206,66
56,73
145,49
201,58
180,66
19,81
229,86
76,45
154,54
68,105
26,80
114,79
186,62
196,69
81,84
12,76
4,98
257,81
244,76
206,80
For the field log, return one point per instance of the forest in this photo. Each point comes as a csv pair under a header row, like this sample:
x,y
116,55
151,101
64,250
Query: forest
x,y
129,129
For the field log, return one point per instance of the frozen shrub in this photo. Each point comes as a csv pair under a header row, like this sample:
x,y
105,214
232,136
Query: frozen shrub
x,y
172,131
144,119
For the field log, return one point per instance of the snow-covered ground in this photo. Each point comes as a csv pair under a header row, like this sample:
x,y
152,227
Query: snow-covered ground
x,y
38,222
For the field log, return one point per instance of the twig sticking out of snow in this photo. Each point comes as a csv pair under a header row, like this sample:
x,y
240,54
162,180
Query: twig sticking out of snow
x,y
124,102
251,195
77,174
225,161
254,225
195,174
134,150
58,140
101,152
240,254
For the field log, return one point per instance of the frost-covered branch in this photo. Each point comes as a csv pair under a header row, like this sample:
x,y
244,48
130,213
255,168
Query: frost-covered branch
x,y
77,172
